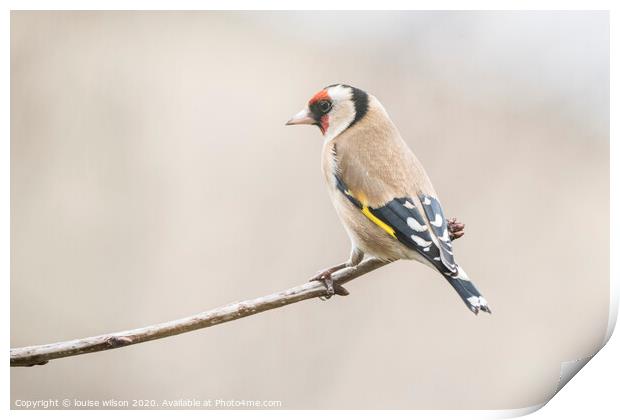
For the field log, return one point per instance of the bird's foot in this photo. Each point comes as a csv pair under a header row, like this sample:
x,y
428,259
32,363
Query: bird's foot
x,y
332,288
456,229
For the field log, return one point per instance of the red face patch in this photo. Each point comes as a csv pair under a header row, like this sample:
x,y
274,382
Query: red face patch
x,y
323,121
319,96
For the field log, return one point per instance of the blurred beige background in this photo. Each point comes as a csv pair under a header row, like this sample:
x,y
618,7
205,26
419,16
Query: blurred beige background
x,y
152,177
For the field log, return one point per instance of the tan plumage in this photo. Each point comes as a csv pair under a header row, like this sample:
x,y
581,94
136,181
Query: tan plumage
x,y
377,165
378,186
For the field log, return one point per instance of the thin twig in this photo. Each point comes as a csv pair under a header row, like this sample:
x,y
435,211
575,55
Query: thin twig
x,y
41,354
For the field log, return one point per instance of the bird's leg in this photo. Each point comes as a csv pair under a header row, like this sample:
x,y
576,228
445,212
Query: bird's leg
x,y
325,276
456,229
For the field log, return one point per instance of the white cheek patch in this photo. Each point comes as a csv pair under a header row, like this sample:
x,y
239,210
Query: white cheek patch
x,y
342,113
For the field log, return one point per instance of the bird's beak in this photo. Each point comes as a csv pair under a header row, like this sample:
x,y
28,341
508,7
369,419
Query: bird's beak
x,y
302,117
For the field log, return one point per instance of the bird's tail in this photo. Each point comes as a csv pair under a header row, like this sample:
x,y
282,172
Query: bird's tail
x,y
468,292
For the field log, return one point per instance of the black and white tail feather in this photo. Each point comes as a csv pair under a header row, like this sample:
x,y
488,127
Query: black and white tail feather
x,y
468,292
456,276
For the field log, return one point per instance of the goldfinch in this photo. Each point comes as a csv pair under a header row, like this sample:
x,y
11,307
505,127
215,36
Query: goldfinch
x,y
380,191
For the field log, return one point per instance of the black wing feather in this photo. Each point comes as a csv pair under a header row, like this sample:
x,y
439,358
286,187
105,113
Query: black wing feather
x,y
411,228
439,226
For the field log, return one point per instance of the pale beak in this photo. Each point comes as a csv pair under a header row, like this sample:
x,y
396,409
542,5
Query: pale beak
x,y
302,117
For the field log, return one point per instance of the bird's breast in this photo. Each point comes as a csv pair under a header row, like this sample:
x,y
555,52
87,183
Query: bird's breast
x,y
329,164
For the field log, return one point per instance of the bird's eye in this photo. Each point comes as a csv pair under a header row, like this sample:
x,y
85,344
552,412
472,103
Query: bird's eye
x,y
325,106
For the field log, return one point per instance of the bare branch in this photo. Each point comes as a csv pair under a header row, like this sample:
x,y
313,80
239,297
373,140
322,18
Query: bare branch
x,y
40,355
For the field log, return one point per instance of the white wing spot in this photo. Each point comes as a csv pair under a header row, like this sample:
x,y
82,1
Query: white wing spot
x,y
445,237
428,248
413,224
427,201
408,205
419,241
474,300
461,274
438,221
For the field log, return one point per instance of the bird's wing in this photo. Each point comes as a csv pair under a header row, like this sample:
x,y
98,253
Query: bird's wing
x,y
402,218
439,226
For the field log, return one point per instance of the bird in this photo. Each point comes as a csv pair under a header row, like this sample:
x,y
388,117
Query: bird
x,y
380,190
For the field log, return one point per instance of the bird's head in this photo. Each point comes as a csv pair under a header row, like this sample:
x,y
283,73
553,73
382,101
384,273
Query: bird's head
x,y
333,109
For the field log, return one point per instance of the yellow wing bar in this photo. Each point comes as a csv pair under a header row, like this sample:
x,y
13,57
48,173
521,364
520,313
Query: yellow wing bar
x,y
359,201
377,221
